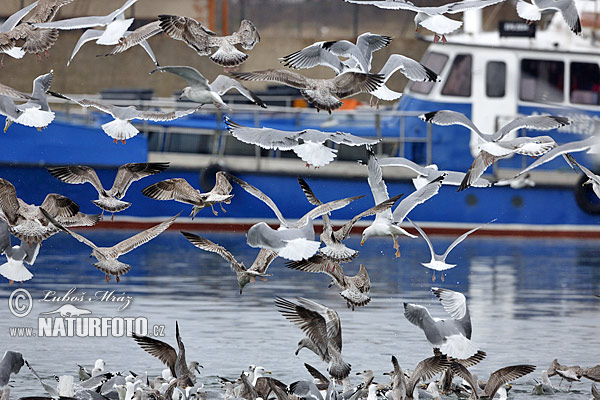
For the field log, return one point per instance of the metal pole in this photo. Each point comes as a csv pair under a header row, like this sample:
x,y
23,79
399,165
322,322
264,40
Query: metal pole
x,y
225,17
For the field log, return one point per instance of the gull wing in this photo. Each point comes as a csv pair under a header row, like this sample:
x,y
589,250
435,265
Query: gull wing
x,y
344,48
59,206
140,238
132,172
222,84
77,236
263,259
461,6
310,321
351,83
191,75
207,245
344,231
424,235
347,139
9,203
463,237
159,349
427,369
448,117
417,197
410,68
405,163
77,174
87,36
311,56
177,189
14,19
136,37
267,138
324,209
505,375
454,303
289,78
164,116
537,122
369,42
416,314
10,92
319,264
332,320
480,164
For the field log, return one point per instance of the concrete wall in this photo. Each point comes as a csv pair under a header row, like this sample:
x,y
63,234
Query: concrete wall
x,y
285,26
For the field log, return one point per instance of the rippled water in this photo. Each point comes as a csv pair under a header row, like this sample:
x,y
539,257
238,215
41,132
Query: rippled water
x,y
530,300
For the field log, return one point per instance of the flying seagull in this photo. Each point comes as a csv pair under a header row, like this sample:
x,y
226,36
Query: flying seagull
x,y
451,336
202,92
324,93
14,269
567,8
173,359
308,144
180,190
36,111
593,179
432,18
108,200
323,331
244,275
107,257
121,129
438,261
196,37
6,44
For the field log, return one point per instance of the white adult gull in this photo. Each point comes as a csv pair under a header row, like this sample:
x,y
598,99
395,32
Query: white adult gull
x,y
108,200
14,269
324,93
387,223
121,129
199,39
180,190
244,275
137,37
438,261
36,111
107,257
115,25
323,331
203,92
494,147
432,18
567,8
293,240
430,172
308,144
451,336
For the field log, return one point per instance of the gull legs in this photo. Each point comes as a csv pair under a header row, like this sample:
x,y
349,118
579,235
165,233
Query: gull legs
x,y
396,246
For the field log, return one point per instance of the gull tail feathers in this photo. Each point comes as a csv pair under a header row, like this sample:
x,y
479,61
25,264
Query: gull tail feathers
x,y
35,117
120,129
458,346
15,270
299,249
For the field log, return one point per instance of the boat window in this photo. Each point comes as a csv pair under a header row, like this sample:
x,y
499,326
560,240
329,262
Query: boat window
x,y
435,62
495,79
458,82
585,83
542,80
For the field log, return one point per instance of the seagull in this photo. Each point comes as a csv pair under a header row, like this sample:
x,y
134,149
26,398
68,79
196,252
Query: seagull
x,y
432,18
355,289
107,257
137,37
438,261
180,190
172,358
115,26
595,392
567,8
29,222
293,240
196,37
7,91
326,53
497,378
425,369
14,268
323,332
451,336
6,45
200,91
11,363
108,200
430,172
120,129
544,387
387,223
587,144
324,93
36,112
308,144
494,148
334,247
244,275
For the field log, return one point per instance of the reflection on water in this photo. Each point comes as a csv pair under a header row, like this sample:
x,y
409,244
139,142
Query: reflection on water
x,y
531,301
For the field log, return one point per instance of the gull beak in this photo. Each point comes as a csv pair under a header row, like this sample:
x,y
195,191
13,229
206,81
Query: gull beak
x,y
198,368
268,372
363,241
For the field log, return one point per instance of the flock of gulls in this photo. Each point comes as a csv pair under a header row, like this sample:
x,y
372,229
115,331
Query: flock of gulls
x,y
33,30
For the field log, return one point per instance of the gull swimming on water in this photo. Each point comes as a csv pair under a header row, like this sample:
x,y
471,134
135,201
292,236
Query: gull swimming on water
x,y
308,144
387,223
567,8
108,200
174,359
438,261
497,378
202,92
107,257
14,268
197,37
323,331
293,240
324,93
432,18
244,275
451,336
121,129
180,190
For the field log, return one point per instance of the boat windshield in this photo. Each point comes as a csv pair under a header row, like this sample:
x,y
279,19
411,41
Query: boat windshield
x,y
585,83
435,62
